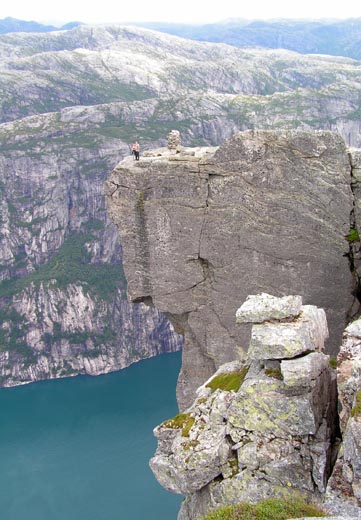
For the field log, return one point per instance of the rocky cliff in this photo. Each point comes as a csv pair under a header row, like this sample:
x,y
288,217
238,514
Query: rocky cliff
x,y
202,229
344,488
70,103
265,427
63,309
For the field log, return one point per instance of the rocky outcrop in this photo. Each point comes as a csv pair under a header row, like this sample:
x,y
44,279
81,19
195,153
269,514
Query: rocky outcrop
x,y
345,485
257,428
202,229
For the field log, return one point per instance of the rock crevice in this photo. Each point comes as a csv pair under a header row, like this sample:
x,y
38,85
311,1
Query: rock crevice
x,y
266,212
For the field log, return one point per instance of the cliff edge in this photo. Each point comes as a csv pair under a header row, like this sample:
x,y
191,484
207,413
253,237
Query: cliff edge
x,y
268,211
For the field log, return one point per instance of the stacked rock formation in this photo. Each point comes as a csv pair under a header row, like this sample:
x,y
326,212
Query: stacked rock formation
x,y
259,427
174,140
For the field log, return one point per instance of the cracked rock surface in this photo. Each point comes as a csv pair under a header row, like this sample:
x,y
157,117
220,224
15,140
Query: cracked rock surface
x,y
345,484
272,432
201,229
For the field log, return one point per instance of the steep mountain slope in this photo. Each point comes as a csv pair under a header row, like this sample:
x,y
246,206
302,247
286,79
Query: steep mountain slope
x,y
92,65
63,307
86,94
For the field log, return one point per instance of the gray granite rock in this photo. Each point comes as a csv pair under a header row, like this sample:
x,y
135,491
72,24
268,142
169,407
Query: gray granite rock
x,y
279,341
264,307
265,212
345,483
272,431
305,370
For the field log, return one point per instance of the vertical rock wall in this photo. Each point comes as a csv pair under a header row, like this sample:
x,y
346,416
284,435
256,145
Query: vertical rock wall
x,y
63,308
344,488
265,212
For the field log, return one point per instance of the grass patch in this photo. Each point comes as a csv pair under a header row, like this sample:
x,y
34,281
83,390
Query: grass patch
x,y
182,421
356,410
353,235
233,464
228,382
270,509
274,372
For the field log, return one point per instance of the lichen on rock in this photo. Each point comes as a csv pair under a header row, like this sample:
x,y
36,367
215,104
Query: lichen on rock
x,y
345,484
261,436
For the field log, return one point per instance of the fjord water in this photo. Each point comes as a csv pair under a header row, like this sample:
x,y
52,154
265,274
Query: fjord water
x,y
78,448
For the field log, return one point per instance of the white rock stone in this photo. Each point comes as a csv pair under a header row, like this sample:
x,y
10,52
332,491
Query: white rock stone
x,y
285,340
264,307
304,370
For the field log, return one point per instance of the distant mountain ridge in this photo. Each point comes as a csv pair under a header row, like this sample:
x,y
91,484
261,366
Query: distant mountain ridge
x,y
332,37
9,25
337,38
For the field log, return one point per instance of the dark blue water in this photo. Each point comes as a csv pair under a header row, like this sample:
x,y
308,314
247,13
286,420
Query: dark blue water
x,y
78,448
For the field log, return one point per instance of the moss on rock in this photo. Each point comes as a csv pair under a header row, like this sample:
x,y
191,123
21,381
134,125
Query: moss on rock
x,y
356,410
270,509
228,382
181,421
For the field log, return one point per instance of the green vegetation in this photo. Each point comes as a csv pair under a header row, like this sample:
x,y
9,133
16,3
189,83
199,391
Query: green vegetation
x,y
333,362
70,265
80,337
94,224
228,382
190,444
270,509
233,464
140,200
10,314
353,235
274,372
22,349
182,421
12,337
356,410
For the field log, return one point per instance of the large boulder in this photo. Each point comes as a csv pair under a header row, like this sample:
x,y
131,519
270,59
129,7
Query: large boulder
x,y
268,211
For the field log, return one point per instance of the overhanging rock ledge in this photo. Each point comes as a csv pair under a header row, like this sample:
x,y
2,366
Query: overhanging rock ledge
x,y
201,229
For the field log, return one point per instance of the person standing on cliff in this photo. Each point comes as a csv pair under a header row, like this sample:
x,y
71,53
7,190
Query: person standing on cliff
x,y
135,150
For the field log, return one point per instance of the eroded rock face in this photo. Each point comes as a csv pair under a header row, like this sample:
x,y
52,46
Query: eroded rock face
x,y
345,484
69,332
63,307
274,433
265,212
